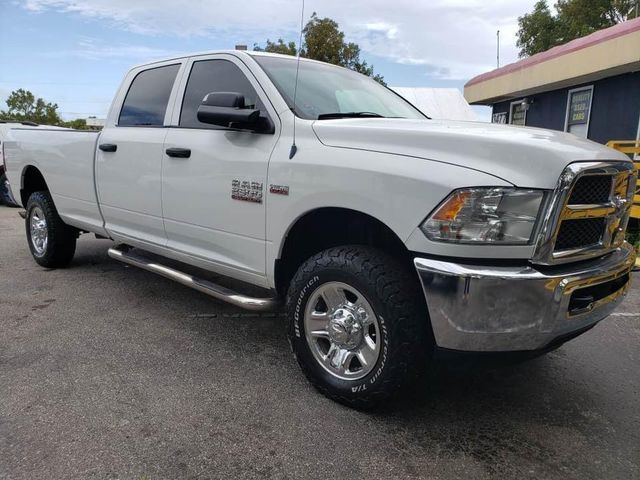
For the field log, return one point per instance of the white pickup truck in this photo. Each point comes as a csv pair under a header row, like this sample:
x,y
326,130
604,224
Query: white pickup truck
x,y
388,235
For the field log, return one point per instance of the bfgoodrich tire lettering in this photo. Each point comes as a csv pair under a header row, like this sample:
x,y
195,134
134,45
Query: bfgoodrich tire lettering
x,y
403,332
60,245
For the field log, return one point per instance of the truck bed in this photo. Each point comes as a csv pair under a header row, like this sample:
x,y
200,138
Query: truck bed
x,y
66,160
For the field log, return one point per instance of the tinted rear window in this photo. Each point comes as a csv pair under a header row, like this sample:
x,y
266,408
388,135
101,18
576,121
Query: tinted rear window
x,y
148,96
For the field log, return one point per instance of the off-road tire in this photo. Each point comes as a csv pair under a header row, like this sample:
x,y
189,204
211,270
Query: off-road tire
x,y
396,297
61,241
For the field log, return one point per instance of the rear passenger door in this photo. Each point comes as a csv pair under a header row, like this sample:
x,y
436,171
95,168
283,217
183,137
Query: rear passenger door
x,y
203,216
129,156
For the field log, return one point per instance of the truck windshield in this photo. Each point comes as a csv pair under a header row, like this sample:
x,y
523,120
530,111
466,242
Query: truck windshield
x,y
326,91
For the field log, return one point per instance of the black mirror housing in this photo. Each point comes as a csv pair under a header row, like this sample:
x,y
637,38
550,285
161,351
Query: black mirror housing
x,y
227,109
224,99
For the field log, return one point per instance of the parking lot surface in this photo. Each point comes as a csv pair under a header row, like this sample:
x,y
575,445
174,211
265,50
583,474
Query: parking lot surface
x,y
107,371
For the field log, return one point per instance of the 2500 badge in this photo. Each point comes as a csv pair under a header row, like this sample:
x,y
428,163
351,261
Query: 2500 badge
x,y
246,191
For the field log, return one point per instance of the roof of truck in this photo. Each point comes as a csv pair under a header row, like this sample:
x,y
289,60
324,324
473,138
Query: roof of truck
x,y
238,53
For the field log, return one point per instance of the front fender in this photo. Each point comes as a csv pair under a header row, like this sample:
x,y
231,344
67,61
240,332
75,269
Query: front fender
x,y
396,190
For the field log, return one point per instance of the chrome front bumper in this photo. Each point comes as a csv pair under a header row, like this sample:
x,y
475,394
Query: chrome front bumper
x,y
490,309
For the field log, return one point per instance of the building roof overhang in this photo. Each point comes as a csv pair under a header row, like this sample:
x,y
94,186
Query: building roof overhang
x,y
605,53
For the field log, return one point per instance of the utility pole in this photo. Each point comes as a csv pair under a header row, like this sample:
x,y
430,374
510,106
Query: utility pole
x,y
498,48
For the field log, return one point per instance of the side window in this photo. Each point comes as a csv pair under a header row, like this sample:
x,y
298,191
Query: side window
x,y
209,76
147,98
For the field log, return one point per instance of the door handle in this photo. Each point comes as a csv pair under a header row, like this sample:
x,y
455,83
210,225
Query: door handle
x,y
108,147
178,152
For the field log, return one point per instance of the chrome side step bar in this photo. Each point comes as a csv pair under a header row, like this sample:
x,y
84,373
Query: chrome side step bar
x,y
124,254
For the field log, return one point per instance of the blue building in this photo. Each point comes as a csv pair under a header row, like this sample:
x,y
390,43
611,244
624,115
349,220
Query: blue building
x,y
589,87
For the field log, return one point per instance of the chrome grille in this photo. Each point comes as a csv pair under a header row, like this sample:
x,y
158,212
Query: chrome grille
x,y
588,212
580,233
591,189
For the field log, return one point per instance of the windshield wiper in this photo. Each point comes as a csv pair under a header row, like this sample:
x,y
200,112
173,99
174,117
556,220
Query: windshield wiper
x,y
328,116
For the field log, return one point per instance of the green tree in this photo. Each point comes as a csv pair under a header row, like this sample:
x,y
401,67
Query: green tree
x,y
24,106
578,18
278,47
540,30
324,41
78,124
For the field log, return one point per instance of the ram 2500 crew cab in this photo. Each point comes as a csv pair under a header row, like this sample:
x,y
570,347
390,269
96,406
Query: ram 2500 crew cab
x,y
389,235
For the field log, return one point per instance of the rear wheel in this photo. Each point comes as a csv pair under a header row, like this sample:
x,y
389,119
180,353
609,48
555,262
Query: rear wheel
x,y
358,325
51,241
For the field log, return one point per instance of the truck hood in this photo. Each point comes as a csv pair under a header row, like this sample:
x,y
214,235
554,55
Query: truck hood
x,y
525,157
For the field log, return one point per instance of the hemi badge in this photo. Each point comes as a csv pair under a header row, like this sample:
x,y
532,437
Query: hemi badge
x,y
279,189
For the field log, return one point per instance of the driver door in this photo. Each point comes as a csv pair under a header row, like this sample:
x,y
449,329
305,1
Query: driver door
x,y
213,193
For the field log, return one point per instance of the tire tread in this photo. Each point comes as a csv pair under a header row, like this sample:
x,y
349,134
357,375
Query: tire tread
x,y
407,318
61,242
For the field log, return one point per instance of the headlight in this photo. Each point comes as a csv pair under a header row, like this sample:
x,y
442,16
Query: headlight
x,y
485,215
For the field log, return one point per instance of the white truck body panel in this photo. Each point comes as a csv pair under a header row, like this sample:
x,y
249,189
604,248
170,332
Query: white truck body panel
x,y
67,158
201,218
360,180
129,183
394,170
524,156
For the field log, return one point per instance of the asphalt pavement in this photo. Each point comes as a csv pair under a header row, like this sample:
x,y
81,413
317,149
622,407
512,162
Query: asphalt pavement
x,y
110,372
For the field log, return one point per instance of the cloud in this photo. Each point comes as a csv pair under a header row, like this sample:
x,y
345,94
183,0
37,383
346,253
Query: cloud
x,y
388,30
451,39
178,18
94,49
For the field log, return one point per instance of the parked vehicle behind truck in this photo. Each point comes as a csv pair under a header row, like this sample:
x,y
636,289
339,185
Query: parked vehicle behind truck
x,y
386,234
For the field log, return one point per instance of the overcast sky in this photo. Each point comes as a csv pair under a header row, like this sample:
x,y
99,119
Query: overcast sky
x,y
75,52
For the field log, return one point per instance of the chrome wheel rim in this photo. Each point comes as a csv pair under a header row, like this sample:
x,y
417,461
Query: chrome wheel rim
x,y
342,331
38,230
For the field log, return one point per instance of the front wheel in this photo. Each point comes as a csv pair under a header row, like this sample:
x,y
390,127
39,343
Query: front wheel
x,y
51,241
358,325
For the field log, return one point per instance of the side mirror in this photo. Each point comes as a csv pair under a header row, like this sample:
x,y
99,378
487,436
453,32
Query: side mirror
x,y
227,109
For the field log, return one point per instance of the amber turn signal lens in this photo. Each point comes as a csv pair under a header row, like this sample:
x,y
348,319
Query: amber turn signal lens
x,y
450,209
485,215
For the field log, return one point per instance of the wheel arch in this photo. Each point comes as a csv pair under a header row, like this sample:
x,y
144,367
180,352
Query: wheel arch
x,y
327,227
31,181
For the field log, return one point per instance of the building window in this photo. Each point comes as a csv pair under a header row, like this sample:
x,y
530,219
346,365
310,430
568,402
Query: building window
x,y
579,111
500,117
518,113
